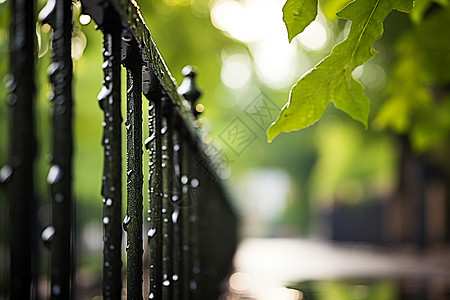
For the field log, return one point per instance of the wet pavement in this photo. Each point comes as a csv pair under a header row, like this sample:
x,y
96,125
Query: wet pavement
x,y
264,268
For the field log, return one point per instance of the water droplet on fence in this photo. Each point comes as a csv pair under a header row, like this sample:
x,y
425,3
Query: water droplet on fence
x,y
11,84
127,247
104,93
104,200
195,182
56,289
107,264
5,174
166,283
111,247
109,202
176,147
165,156
166,220
126,222
184,179
196,270
151,232
163,165
164,147
151,296
164,210
164,129
175,198
47,235
59,198
175,215
129,172
54,175
149,140
175,277
105,220
193,285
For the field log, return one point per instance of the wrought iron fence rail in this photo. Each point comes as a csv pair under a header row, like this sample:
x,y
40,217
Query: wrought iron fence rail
x,y
191,227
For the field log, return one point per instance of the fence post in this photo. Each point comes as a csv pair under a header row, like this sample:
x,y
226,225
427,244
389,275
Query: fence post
x,y
18,174
133,219
109,99
58,14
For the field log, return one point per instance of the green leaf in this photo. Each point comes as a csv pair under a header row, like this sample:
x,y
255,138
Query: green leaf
x,y
331,7
297,14
331,80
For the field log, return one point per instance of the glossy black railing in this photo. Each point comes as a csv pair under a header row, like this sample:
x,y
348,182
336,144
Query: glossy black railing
x,y
191,232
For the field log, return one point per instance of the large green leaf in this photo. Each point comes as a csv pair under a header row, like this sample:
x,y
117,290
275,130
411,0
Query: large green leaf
x,y
297,14
331,80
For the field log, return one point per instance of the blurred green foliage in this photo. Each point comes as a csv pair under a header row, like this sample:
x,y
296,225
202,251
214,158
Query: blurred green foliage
x,y
327,161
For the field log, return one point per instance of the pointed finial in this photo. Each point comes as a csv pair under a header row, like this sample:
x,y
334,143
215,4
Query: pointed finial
x,y
189,90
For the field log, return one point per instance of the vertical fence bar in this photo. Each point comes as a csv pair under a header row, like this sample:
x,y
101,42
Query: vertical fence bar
x,y
18,174
185,163
167,208
58,236
133,219
195,194
176,219
153,144
109,100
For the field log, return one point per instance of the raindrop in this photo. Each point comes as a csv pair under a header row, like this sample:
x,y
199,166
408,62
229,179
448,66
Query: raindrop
x,y
149,140
111,247
126,222
195,182
5,174
59,198
151,296
54,175
151,232
166,220
175,215
176,147
164,210
196,270
127,247
104,200
56,289
175,277
48,234
175,198
193,285
105,220
164,147
107,264
129,172
163,165
164,130
166,282
184,179
109,202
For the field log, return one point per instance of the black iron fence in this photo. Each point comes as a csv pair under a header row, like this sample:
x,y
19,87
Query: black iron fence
x,y
192,229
